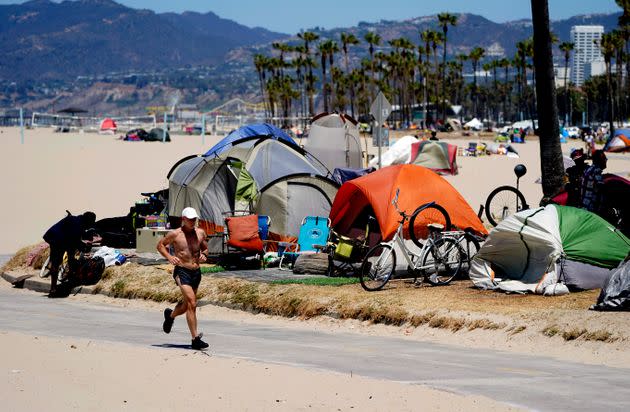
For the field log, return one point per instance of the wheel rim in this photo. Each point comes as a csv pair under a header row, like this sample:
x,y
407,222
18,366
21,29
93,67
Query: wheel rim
x,y
504,204
377,268
446,259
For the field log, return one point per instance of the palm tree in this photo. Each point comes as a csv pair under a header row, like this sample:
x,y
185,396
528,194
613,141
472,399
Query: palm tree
x,y
333,48
323,59
260,63
308,37
607,44
505,64
475,55
372,39
552,165
566,47
445,19
346,40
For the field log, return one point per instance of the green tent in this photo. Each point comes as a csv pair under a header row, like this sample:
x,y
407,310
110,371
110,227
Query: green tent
x,y
523,252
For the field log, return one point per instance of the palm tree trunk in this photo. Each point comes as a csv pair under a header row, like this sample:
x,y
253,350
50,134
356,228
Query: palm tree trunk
x,y
566,93
552,165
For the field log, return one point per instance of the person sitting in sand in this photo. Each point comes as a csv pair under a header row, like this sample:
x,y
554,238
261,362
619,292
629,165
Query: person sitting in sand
x,y
190,249
69,235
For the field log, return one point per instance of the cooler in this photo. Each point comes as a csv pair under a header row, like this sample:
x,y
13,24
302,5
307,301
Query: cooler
x,y
148,238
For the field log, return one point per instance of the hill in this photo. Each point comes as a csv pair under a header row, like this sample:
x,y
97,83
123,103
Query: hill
x,y
41,39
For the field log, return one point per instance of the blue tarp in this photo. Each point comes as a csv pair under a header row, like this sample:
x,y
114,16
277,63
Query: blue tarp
x,y
342,174
252,130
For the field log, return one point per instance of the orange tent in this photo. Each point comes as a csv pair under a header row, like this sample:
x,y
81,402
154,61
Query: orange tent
x,y
108,125
418,185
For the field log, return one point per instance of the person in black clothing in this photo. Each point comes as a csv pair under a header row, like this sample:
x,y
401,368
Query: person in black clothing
x,y
69,235
433,135
575,176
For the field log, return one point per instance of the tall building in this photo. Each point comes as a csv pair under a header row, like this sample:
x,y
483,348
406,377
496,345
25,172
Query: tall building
x,y
586,40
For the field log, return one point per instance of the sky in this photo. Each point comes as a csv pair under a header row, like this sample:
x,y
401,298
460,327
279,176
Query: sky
x,y
291,16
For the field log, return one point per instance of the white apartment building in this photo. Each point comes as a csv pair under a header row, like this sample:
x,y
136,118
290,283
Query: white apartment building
x,y
587,50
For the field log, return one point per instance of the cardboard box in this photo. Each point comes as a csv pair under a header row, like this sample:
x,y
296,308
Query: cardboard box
x,y
148,238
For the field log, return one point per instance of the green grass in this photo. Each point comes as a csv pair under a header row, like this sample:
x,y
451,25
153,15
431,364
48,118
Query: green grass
x,y
317,281
211,269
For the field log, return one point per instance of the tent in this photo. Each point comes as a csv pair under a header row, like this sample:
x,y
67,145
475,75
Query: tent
x,y
620,142
342,174
615,294
157,134
474,124
525,252
108,126
334,140
438,156
398,153
288,199
253,132
232,181
373,194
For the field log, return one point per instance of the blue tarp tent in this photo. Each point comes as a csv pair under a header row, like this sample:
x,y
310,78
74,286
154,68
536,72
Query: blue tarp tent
x,y
246,132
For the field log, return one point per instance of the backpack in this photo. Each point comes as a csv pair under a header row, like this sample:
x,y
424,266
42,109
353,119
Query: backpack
x,y
89,271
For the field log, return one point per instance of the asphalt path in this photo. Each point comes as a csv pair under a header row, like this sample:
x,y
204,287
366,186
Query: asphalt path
x,y
533,382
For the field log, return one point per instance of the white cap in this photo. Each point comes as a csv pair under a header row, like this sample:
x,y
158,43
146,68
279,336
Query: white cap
x,y
190,213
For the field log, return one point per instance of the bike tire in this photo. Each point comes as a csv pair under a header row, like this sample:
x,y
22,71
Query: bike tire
x,y
43,273
445,257
378,267
434,213
502,202
470,246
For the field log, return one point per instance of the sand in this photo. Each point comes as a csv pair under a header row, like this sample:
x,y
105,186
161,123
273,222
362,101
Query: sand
x,y
52,172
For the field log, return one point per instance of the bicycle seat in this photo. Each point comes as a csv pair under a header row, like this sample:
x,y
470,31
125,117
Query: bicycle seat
x,y
435,227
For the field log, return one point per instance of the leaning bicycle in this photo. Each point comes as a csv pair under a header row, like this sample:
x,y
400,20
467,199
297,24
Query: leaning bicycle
x,y
438,262
506,200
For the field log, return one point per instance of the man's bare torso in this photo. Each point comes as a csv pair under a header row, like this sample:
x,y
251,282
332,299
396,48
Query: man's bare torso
x,y
187,246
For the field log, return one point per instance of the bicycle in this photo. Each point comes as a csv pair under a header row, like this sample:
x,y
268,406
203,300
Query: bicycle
x,y
506,200
439,260
63,268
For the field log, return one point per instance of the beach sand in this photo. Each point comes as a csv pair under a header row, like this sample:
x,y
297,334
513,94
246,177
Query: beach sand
x,y
52,172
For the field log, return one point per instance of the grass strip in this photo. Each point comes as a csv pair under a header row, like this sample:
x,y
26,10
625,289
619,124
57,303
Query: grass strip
x,y
317,281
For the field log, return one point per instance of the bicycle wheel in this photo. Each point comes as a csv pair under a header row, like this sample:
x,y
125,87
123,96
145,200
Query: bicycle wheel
x,y
63,269
422,217
43,273
443,261
470,246
504,201
378,267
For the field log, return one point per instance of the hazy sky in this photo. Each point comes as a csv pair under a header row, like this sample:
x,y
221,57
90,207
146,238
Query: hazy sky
x,y
289,16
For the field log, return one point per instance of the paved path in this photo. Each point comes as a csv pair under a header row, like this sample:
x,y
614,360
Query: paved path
x,y
531,381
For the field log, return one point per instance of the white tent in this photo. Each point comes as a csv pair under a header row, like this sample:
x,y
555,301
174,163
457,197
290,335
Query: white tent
x,y
474,124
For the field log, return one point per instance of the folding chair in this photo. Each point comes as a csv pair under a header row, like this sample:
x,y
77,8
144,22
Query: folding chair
x,y
472,149
313,236
243,243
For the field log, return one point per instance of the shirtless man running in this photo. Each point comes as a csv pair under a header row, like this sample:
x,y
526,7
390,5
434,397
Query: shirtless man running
x,y
189,244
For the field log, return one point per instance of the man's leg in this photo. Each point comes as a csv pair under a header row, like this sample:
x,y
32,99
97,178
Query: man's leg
x,y
56,258
190,301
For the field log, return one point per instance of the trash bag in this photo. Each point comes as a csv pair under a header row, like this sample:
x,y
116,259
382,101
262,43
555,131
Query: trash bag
x,y
615,295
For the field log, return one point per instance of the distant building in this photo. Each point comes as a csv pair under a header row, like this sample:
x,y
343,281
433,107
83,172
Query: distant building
x,y
586,40
559,75
595,68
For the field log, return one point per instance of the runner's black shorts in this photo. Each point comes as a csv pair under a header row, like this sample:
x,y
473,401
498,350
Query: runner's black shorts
x,y
190,277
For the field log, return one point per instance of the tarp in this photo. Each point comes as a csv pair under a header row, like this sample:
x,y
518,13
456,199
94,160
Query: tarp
x,y
440,157
254,131
398,153
615,294
418,185
334,140
620,142
521,253
341,174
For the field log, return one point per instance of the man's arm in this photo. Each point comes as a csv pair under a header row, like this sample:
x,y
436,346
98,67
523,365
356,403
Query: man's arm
x,y
162,248
203,246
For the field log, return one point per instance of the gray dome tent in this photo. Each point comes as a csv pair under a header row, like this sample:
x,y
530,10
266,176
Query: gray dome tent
x,y
334,140
232,180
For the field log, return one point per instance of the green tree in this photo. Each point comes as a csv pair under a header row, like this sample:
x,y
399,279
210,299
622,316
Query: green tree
x,y
445,19
566,48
